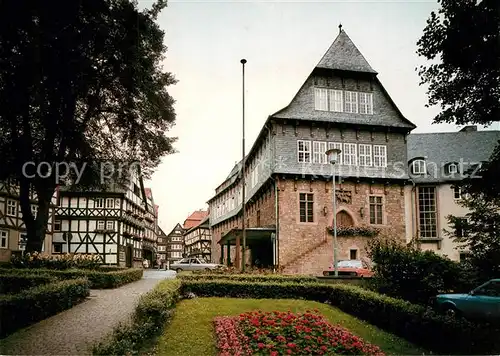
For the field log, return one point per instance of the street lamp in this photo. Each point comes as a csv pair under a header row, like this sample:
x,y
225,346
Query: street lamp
x,y
333,156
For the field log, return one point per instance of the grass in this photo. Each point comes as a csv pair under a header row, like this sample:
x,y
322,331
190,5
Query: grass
x,y
191,330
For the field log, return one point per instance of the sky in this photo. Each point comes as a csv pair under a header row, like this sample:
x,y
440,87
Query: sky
x,y
282,42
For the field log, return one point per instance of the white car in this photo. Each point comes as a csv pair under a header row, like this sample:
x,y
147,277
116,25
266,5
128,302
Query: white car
x,y
193,264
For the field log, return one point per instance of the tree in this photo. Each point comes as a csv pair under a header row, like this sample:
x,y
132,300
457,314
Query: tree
x,y
81,82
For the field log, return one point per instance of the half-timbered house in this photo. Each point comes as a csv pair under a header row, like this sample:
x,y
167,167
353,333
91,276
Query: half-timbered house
x,y
288,195
116,223
174,244
12,227
198,240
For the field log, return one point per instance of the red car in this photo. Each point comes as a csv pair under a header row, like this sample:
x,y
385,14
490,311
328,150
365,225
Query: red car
x,y
355,268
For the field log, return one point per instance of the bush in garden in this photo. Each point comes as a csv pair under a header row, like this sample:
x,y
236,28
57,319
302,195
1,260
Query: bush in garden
x,y
35,304
153,311
273,278
408,273
57,262
12,283
248,271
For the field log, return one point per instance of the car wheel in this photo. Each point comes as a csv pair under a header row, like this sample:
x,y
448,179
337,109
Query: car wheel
x,y
178,270
450,310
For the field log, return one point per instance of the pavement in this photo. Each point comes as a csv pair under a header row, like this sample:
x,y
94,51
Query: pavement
x,y
76,330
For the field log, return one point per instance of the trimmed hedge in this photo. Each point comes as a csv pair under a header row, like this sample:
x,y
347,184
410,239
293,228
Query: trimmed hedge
x,y
415,323
151,314
13,283
35,304
249,278
97,279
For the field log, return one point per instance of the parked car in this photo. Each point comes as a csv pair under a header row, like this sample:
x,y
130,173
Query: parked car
x,y
355,268
482,302
193,264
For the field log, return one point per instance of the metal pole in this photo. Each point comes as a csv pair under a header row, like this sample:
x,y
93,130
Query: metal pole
x,y
334,224
243,260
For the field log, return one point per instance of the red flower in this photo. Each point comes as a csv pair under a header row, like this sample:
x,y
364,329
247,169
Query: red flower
x,y
260,345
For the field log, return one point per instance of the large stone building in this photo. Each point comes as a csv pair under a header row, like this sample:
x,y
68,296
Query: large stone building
x,y
288,199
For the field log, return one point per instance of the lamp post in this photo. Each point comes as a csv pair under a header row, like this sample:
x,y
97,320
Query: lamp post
x,y
333,156
243,230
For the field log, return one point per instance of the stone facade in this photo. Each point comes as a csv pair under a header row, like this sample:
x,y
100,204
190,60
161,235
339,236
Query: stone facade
x,y
304,243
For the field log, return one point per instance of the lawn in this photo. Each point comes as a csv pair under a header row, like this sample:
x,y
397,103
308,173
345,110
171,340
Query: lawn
x,y
191,330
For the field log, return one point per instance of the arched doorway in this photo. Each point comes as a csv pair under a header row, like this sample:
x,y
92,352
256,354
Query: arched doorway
x,y
344,219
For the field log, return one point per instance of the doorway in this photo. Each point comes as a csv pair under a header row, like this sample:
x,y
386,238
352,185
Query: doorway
x,y
128,256
344,219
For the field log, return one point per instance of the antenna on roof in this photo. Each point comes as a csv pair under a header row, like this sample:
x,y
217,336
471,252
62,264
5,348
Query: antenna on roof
x,y
340,28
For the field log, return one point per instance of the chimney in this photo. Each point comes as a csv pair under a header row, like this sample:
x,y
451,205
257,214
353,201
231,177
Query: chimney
x,y
470,128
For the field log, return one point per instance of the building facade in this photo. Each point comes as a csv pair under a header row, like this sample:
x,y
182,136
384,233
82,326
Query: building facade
x,y
12,228
198,240
288,191
117,224
175,244
438,162
162,244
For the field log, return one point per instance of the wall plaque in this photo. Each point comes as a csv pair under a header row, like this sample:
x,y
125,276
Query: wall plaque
x,y
344,196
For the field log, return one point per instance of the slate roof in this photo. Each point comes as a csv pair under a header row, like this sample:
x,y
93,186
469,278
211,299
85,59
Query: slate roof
x,y
344,55
438,149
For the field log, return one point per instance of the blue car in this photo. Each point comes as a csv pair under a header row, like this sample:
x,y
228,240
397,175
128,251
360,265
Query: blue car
x,y
481,303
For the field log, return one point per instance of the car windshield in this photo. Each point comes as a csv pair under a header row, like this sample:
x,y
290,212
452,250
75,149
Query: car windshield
x,y
350,264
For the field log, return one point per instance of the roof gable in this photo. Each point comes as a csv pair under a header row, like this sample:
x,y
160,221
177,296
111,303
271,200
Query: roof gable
x,y
344,55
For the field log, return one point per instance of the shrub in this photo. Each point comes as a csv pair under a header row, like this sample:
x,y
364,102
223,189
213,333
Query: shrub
x,y
224,270
410,321
35,304
152,312
13,283
57,262
408,273
98,279
249,278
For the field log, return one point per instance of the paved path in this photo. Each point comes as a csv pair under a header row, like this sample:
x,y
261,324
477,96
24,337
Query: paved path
x,y
73,331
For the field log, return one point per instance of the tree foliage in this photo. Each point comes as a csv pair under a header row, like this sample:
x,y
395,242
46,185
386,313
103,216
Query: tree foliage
x,y
462,43
80,82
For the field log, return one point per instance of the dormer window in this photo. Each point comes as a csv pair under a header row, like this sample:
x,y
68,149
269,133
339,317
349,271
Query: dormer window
x,y
453,168
418,166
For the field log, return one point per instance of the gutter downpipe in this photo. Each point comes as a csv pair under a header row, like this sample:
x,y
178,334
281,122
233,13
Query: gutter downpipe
x,y
276,206
414,214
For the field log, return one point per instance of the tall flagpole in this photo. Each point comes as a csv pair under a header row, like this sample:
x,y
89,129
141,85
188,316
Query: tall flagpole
x,y
243,230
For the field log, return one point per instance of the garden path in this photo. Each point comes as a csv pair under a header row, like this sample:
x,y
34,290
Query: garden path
x,y
74,331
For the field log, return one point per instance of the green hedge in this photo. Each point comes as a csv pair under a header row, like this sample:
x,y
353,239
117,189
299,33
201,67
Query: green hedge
x,y
151,314
35,304
13,283
97,279
415,323
249,278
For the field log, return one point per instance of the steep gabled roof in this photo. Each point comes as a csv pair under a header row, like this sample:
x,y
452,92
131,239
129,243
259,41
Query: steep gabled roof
x,y
344,55
195,218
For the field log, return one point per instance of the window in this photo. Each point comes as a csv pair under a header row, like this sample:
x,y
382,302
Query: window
x,y
23,239
11,208
489,289
99,203
427,212
4,239
453,168
351,101
57,225
350,154
110,225
34,211
100,225
379,156
418,167
365,155
320,99
353,254
461,227
110,203
457,193
337,145
365,103
161,248
376,207
304,151
319,149
57,247
306,207
335,100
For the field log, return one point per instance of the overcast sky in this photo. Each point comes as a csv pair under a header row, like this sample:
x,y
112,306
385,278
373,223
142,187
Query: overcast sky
x,y
282,42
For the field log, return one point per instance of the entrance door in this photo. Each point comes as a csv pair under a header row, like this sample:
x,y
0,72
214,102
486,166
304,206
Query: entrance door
x,y
128,256
344,219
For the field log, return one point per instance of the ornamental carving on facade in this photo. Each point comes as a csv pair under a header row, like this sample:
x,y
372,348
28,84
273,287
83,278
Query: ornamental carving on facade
x,y
344,196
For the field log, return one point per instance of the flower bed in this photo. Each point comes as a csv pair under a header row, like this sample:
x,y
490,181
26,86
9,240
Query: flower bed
x,y
285,333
